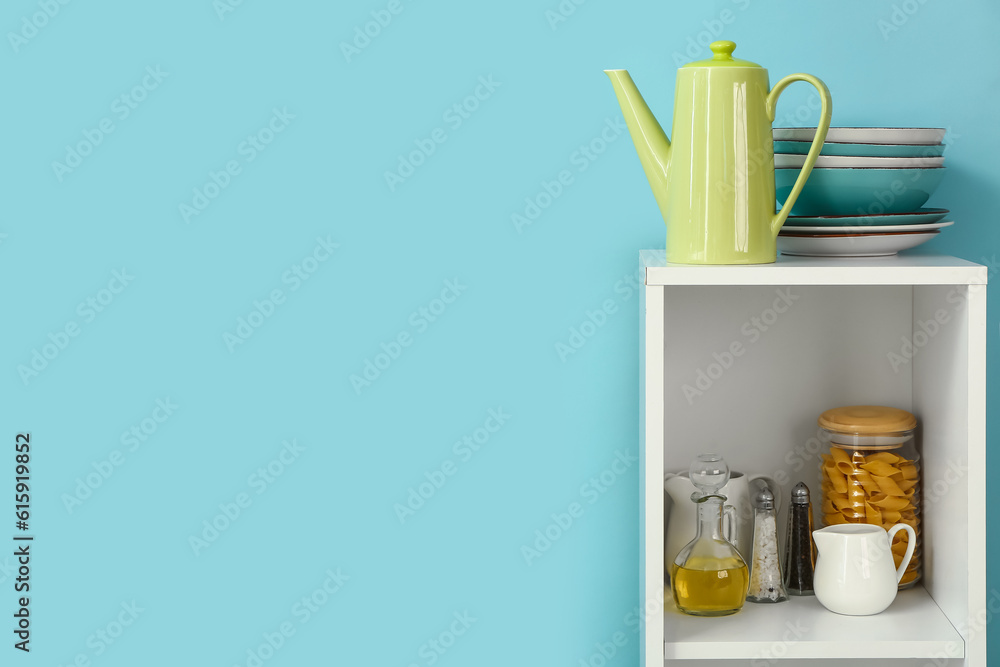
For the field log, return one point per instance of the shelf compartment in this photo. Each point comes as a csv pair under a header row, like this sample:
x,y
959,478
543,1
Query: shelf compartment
x,y
913,627
837,336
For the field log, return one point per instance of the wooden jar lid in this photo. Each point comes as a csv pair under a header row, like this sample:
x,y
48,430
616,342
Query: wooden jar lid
x,y
867,420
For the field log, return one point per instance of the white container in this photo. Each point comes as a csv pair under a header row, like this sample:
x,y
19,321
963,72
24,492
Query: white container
x,y
855,574
682,521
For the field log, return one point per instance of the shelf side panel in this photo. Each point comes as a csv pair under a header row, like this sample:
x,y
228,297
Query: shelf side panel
x,y
949,394
651,595
939,351
976,643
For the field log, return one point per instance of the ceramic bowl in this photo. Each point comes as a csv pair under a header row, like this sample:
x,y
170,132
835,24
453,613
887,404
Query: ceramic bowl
x,y
851,245
862,150
842,191
865,135
841,161
862,229
919,217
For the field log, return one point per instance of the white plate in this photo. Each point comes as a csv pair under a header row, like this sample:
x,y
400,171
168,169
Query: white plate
x,y
865,135
867,229
852,162
867,245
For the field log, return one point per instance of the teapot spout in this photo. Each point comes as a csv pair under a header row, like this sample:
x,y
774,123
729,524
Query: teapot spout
x,y
651,142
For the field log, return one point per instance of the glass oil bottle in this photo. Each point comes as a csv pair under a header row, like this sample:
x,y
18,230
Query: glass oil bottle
x,y
709,577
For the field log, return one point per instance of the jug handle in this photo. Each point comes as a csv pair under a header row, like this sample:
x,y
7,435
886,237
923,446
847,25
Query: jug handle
x,y
910,544
826,111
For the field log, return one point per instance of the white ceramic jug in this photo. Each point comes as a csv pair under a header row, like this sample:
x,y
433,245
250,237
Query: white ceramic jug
x,y
682,521
854,567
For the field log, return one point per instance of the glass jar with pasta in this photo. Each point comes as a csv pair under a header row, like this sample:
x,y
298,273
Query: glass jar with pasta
x,y
872,474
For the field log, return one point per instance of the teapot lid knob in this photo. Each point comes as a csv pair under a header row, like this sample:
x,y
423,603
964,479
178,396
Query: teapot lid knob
x,y
723,50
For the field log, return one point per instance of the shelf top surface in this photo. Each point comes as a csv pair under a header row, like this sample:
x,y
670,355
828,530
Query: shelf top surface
x,y
787,270
912,627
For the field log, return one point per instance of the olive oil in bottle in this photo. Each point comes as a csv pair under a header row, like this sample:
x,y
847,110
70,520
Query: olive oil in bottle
x,y
709,577
713,592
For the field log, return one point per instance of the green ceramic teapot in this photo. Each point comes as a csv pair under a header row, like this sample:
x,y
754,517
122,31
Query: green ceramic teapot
x,y
715,183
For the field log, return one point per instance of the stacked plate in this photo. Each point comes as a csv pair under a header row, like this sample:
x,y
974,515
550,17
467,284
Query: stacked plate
x,y
866,191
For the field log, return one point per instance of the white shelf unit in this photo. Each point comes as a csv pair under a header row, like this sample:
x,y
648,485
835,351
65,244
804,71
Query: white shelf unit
x,y
742,360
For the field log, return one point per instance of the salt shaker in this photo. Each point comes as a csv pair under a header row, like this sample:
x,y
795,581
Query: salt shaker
x,y
766,583
800,552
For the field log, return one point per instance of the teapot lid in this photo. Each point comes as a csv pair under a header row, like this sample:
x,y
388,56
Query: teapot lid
x,y
723,57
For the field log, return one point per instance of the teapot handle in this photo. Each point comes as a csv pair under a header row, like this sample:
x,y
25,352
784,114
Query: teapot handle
x,y
826,111
910,544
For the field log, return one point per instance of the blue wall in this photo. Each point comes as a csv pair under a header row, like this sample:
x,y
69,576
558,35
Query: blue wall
x,y
235,169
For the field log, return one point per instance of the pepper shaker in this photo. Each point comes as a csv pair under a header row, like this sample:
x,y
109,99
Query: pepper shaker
x,y
800,551
765,573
